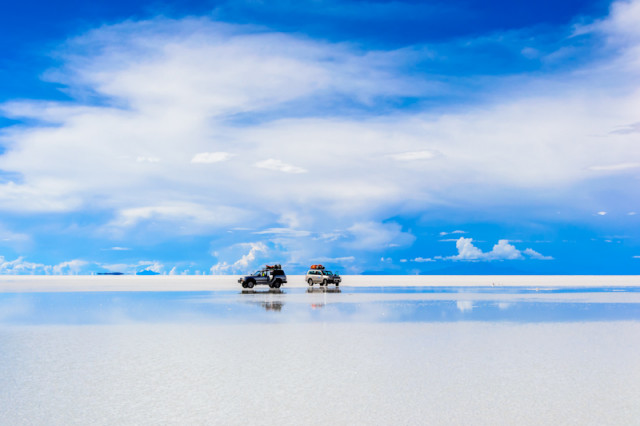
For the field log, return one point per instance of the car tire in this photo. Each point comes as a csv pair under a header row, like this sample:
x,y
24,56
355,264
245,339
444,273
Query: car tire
x,y
310,281
277,284
337,284
244,285
249,284
324,282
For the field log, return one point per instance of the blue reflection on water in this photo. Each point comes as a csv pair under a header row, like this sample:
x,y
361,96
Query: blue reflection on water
x,y
302,305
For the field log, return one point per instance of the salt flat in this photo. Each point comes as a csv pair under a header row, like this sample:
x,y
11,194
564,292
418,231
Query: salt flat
x,y
291,374
374,355
40,283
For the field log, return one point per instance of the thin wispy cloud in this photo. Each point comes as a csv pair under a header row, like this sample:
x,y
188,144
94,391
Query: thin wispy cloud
x,y
211,157
280,166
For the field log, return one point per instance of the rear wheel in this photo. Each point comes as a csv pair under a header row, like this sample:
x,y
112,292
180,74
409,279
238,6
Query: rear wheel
x,y
337,284
277,284
310,281
249,284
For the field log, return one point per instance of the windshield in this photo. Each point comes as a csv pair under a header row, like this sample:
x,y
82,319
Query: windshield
x,y
328,273
257,273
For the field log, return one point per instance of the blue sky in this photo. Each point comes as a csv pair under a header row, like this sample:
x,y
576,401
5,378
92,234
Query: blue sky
x,y
376,137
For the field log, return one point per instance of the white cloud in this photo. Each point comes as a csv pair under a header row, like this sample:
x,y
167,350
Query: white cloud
x,y
211,157
464,305
535,255
422,259
244,263
374,236
71,267
20,266
501,251
278,165
181,83
150,265
467,251
616,167
601,213
284,231
443,233
189,217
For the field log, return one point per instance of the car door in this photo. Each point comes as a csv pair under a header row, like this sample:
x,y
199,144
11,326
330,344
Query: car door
x,y
262,278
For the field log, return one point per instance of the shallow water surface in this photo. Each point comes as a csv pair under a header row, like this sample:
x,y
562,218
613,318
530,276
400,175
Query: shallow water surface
x,y
415,355
333,304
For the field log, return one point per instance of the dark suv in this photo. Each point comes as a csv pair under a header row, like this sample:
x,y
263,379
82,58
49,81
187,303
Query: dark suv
x,y
273,276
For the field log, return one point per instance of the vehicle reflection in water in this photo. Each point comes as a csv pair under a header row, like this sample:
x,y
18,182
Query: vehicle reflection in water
x,y
324,290
321,290
270,299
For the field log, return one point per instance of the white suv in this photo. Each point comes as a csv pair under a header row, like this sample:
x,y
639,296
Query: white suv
x,y
322,277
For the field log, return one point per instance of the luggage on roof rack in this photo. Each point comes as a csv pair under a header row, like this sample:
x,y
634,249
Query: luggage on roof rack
x,y
276,266
317,267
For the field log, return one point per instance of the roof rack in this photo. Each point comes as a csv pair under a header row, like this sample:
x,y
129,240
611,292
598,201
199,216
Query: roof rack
x,y
274,266
317,267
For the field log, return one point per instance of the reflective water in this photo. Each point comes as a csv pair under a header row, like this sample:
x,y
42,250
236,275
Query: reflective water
x,y
372,304
437,356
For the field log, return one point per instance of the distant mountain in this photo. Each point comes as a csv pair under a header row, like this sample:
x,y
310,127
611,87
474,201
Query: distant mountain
x,y
147,272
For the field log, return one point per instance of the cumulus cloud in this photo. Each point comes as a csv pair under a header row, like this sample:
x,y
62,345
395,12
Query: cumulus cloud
x,y
20,266
151,265
244,263
72,267
503,250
